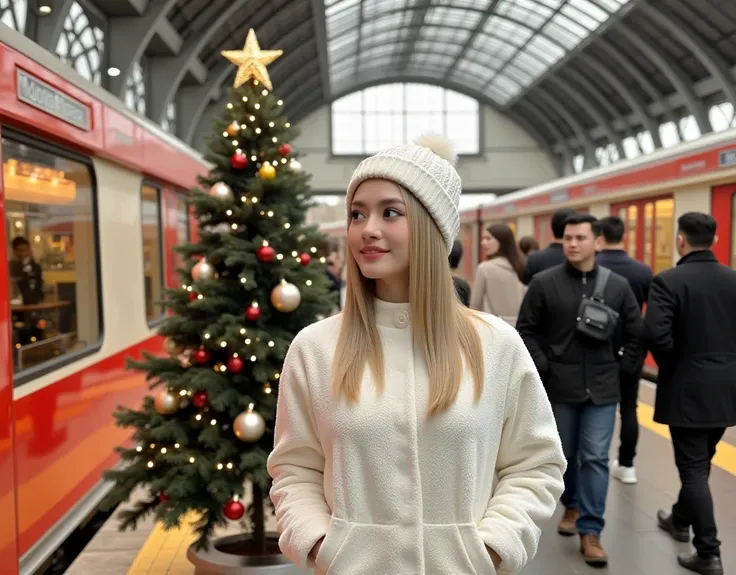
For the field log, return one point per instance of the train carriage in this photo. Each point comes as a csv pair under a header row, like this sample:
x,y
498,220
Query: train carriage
x,y
97,195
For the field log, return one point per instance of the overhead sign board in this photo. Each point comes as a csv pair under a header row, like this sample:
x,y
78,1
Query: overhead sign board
x,y
37,93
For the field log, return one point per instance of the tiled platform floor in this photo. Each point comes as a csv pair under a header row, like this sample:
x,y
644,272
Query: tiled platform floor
x,y
634,543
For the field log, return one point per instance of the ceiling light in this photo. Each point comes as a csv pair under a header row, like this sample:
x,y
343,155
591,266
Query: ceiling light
x,y
44,9
113,71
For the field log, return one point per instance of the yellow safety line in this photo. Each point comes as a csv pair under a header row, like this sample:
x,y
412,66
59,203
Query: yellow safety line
x,y
164,552
725,457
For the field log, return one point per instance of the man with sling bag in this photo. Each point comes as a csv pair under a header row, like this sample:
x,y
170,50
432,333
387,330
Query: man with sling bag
x,y
581,322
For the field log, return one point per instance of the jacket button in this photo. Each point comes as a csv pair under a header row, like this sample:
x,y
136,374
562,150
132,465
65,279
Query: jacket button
x,y
401,319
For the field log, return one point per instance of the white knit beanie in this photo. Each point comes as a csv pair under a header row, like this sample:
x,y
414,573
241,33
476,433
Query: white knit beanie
x,y
425,168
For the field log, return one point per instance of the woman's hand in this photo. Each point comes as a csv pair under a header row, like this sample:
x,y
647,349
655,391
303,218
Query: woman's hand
x,y
494,557
315,550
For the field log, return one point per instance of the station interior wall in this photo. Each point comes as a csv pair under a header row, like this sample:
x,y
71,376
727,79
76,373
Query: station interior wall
x,y
509,159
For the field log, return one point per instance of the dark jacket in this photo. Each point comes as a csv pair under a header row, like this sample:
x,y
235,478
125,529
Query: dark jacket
x,y
541,260
463,289
576,369
638,274
690,327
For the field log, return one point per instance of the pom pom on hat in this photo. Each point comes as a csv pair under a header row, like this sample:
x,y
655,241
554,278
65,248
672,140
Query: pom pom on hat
x,y
439,145
426,169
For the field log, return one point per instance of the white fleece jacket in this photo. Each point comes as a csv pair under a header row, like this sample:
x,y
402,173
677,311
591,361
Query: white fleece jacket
x,y
396,493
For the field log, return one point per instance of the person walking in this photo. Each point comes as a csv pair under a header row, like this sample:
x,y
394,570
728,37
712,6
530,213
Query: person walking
x,y
462,288
552,255
497,288
613,256
580,365
690,328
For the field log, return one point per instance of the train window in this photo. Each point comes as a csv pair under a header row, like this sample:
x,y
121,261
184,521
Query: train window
x,y
183,235
153,252
649,231
51,243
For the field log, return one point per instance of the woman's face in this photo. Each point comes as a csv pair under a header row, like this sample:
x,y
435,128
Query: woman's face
x,y
378,234
488,244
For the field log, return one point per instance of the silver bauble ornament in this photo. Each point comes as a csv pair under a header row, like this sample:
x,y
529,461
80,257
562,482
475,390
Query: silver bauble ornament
x,y
166,402
286,297
203,270
173,348
295,166
221,191
249,426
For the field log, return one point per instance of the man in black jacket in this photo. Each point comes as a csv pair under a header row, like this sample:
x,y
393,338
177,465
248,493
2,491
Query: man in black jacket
x,y
462,288
581,374
614,257
690,327
551,255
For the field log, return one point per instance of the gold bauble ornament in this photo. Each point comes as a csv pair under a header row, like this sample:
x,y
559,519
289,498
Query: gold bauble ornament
x,y
221,191
249,426
286,297
203,270
166,402
173,348
233,129
267,172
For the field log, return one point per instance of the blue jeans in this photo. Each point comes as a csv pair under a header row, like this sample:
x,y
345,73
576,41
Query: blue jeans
x,y
586,431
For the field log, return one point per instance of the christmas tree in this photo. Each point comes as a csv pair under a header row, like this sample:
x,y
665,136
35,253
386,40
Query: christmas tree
x,y
250,283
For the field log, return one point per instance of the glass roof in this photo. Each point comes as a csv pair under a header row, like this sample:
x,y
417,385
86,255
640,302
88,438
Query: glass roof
x,y
498,53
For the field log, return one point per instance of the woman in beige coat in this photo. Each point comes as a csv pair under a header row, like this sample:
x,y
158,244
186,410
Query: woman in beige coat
x,y
497,288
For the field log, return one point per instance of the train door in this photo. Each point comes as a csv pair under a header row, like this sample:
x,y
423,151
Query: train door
x,y
649,230
723,203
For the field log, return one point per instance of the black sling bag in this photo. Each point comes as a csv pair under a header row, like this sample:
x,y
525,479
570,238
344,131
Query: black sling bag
x,y
595,319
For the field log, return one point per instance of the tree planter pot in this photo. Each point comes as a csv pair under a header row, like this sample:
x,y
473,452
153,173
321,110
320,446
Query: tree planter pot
x,y
225,557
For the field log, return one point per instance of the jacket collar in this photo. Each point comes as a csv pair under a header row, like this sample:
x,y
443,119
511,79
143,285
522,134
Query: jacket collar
x,y
613,252
389,314
698,256
575,272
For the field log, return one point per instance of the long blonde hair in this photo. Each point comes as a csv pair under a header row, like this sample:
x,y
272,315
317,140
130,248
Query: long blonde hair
x,y
443,328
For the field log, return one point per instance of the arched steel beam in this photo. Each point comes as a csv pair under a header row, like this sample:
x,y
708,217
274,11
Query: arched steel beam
x,y
128,39
168,72
527,109
49,27
319,19
635,103
560,110
475,33
671,71
556,160
380,77
628,66
682,32
417,23
572,74
591,110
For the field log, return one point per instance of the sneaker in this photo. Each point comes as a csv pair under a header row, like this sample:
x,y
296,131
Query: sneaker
x,y
624,474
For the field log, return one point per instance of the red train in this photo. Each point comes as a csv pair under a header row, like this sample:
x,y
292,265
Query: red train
x,y
96,194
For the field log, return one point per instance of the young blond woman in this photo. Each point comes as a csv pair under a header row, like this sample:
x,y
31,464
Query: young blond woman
x,y
413,436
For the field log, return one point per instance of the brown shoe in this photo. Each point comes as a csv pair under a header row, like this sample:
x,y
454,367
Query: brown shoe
x,y
566,526
592,550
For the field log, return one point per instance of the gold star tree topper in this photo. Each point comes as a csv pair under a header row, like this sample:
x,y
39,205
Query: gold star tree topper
x,y
252,61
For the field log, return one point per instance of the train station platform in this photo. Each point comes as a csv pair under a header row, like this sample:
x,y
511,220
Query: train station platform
x,y
636,546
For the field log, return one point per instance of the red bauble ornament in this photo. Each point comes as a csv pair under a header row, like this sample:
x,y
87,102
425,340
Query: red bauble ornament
x,y
233,510
266,254
163,498
199,399
193,295
238,160
304,259
201,355
285,149
252,313
235,365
